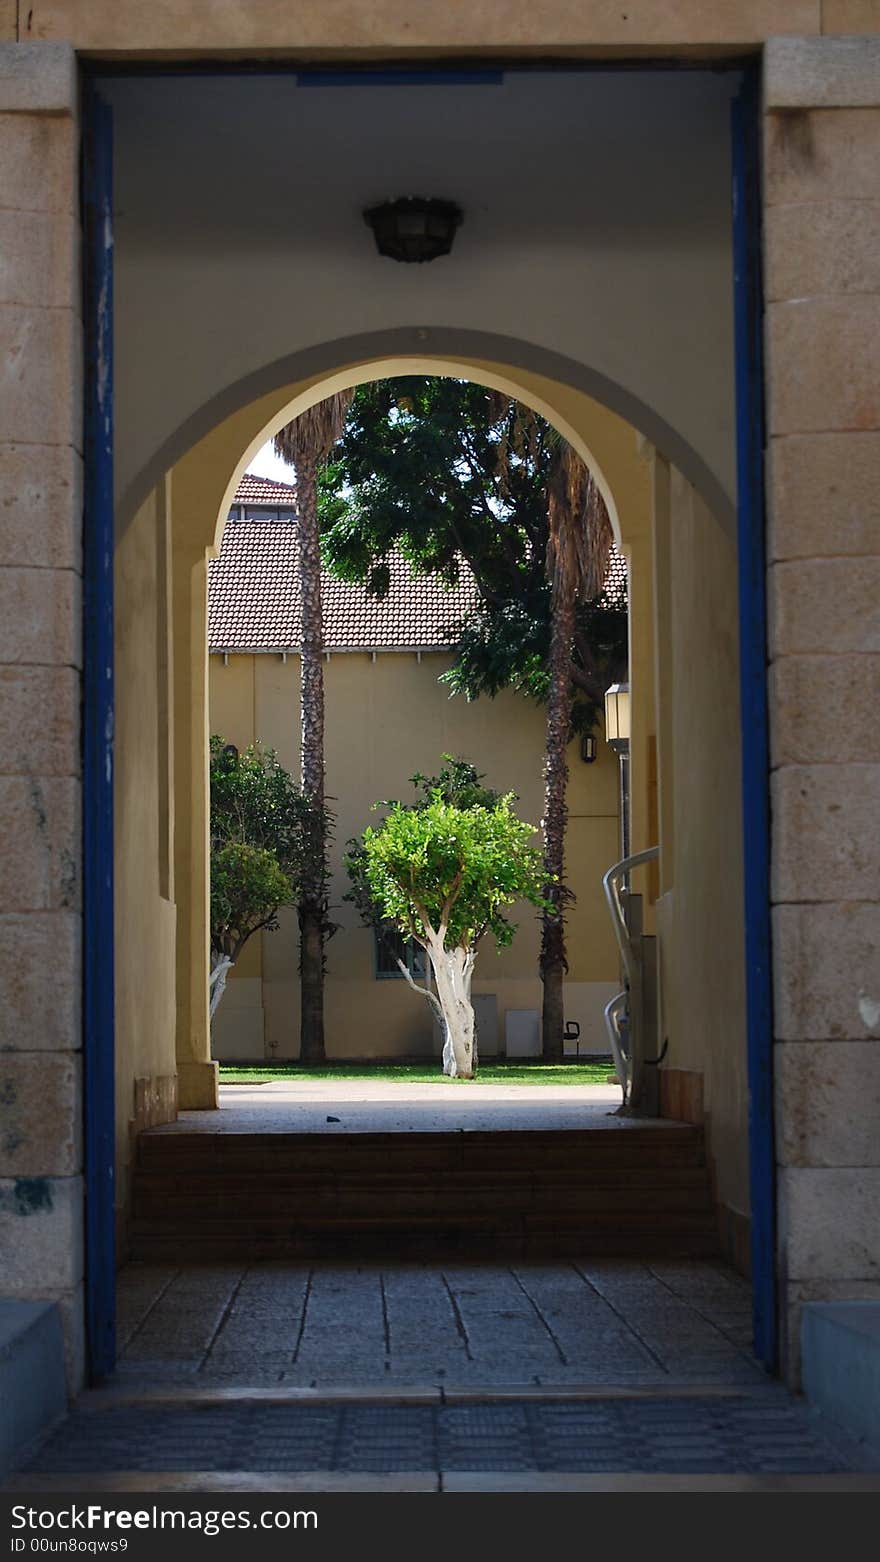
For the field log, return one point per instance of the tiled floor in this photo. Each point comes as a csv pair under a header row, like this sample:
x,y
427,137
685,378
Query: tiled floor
x,y
357,1106
327,1326
750,1435
536,1377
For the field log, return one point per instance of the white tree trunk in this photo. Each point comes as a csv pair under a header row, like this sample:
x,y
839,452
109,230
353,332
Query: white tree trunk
x,y
453,969
217,980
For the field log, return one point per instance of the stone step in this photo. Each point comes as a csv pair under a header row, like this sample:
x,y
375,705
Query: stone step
x,y
259,1152
233,1204
619,1191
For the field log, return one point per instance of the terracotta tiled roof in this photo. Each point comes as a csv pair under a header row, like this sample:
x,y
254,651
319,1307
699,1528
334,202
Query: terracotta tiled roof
x,y
262,490
254,600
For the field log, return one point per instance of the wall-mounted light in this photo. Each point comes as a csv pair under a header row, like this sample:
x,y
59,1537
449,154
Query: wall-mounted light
x,y
588,747
617,717
414,228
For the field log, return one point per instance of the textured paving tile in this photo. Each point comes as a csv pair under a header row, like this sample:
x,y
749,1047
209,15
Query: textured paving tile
x,y
647,1435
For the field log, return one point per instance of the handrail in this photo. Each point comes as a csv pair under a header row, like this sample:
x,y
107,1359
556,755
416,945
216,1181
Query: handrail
x,y
610,882
618,1006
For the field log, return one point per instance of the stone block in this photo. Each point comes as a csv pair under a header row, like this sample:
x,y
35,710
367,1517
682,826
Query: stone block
x,y
41,506
821,156
38,78
394,26
827,1103
818,606
40,617
824,495
828,1222
825,841
823,366
840,1353
39,721
39,260
41,1234
40,1114
796,1293
850,16
826,971
41,375
41,843
823,709
828,247
38,164
821,73
40,964
32,1378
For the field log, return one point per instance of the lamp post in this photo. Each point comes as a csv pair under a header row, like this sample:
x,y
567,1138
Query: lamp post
x,y
617,731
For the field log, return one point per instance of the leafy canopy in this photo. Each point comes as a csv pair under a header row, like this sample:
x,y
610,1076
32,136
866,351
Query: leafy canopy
x,y
261,836
445,471
454,859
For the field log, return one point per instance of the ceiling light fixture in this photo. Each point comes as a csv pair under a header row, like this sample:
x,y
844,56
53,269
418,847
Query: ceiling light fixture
x,y
414,228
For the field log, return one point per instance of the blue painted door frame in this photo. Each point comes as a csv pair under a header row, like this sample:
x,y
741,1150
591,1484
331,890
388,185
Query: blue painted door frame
x,y
98,1015
98,1018
750,435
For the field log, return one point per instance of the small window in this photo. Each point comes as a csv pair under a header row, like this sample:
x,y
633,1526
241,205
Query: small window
x,y
392,946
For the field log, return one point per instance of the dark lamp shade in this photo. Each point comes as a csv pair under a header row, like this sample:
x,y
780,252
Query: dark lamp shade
x,y
413,228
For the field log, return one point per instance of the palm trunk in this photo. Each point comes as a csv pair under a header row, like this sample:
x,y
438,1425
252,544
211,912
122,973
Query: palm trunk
x,y
313,894
553,962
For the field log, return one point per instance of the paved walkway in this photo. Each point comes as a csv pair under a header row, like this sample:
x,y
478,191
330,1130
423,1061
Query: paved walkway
x,y
569,1377
352,1106
409,1325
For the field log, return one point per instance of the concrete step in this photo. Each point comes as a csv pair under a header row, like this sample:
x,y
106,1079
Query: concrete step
x,y
624,1191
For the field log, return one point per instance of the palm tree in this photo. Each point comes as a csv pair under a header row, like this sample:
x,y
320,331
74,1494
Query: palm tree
x,y
578,544
305,445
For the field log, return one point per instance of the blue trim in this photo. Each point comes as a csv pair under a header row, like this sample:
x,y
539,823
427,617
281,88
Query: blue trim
x,y
748,325
98,1017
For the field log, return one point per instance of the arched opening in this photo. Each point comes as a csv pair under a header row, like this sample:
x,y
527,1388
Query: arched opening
x,y
684,787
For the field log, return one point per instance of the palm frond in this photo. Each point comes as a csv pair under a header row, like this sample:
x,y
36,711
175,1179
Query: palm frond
x,y
309,439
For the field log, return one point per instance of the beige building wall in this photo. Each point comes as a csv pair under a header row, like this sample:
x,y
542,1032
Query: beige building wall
x,y
145,915
700,911
387,719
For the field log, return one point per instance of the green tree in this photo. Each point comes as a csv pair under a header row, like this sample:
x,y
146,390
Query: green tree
x,y
306,444
443,870
261,839
446,472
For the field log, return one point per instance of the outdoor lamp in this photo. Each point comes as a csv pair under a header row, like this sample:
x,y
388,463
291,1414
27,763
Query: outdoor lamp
x,y
588,747
617,717
414,228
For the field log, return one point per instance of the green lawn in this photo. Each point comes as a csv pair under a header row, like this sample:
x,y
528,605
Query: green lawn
x,y
424,1074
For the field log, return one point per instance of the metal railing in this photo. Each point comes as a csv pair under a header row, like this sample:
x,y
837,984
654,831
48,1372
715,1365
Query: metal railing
x,y
623,1012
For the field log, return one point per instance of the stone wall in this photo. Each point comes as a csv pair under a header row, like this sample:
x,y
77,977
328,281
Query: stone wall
x,y
40,662
822,227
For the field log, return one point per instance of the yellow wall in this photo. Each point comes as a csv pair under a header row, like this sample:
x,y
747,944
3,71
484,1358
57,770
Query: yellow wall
x,y
145,913
700,914
385,720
